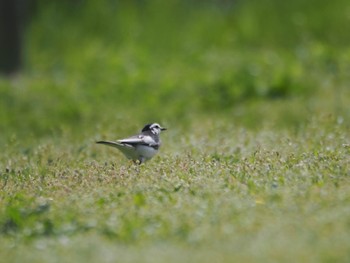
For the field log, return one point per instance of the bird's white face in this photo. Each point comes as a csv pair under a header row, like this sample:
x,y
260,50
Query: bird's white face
x,y
156,128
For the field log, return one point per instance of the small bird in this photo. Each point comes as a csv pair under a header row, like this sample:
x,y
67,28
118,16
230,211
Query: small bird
x,y
142,147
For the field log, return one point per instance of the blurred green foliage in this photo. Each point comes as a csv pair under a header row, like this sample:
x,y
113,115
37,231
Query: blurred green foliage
x,y
103,61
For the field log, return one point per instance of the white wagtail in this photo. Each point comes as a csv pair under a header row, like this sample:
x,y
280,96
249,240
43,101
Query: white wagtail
x,y
141,147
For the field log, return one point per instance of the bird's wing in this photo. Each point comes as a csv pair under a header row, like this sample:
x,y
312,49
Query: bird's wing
x,y
138,139
132,140
127,149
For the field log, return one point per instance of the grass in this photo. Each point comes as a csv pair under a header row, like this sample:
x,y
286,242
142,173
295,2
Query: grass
x,y
255,162
242,195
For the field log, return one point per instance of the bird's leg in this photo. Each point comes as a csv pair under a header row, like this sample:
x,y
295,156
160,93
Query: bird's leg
x,y
141,160
137,162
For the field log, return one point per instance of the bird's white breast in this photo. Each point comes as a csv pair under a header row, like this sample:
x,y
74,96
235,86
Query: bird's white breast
x,y
145,151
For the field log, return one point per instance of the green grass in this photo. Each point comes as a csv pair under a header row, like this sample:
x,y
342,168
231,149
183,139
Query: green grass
x,y
227,192
255,163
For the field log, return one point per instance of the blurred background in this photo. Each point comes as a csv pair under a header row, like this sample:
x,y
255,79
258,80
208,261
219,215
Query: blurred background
x,y
82,67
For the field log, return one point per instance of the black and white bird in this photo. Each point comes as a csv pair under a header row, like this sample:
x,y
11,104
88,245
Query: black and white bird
x,y
141,147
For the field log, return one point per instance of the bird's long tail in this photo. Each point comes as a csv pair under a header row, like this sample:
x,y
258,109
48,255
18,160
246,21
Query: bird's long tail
x,y
110,143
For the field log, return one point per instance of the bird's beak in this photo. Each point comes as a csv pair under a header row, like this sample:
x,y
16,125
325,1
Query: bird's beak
x,y
163,129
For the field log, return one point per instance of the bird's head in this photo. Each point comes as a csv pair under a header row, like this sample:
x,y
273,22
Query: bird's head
x,y
155,128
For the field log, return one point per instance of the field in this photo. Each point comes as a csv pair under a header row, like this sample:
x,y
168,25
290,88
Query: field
x,y
254,167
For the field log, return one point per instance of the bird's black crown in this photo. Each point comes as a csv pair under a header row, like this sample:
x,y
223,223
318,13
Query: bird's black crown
x,y
147,127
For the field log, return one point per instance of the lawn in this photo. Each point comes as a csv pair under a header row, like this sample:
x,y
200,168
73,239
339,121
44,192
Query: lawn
x,y
254,166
